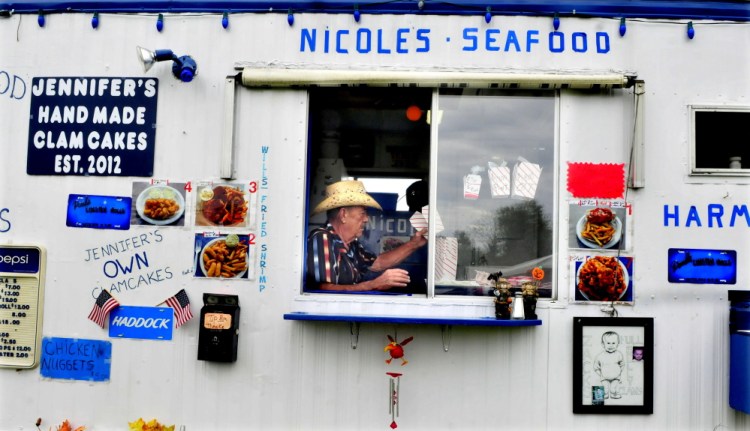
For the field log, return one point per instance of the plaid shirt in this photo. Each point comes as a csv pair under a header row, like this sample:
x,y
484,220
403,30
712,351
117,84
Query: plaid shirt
x,y
329,261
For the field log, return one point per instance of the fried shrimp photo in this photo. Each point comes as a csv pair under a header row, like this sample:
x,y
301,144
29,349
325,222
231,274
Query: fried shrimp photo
x,y
222,260
601,278
160,209
159,205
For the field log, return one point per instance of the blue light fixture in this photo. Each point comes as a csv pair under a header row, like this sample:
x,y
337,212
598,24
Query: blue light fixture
x,y
488,15
40,18
290,18
556,21
160,23
183,68
225,20
357,14
623,29
95,20
690,30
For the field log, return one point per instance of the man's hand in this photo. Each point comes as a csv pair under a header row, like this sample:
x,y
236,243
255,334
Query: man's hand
x,y
390,278
420,238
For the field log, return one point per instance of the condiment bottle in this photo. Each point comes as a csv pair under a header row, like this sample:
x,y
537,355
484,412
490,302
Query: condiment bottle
x,y
518,313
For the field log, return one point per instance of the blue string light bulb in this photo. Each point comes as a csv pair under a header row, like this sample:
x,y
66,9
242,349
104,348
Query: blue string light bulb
x,y
160,23
225,20
623,29
290,18
690,30
40,18
95,20
357,14
488,15
556,21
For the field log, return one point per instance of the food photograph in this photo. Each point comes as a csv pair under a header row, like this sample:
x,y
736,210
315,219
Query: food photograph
x,y
221,205
604,279
221,256
597,227
158,204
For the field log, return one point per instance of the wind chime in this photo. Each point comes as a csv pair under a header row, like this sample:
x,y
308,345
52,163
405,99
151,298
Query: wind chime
x,y
393,397
396,351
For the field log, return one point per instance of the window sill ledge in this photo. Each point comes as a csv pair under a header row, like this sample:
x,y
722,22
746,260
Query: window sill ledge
x,y
447,321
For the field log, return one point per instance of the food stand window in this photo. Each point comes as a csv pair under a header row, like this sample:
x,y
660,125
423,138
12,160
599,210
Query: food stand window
x,y
494,182
718,148
500,128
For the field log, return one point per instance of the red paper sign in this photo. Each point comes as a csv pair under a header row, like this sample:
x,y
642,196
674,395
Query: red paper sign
x,y
596,180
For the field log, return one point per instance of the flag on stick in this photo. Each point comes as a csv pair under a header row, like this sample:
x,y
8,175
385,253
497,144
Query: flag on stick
x,y
105,303
181,304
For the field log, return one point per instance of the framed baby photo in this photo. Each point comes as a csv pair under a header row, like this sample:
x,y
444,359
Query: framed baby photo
x,y
613,365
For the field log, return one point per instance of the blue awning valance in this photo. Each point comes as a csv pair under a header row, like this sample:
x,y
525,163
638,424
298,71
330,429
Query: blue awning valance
x,y
726,10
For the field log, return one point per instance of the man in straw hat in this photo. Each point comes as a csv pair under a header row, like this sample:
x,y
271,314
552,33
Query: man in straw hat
x,y
337,261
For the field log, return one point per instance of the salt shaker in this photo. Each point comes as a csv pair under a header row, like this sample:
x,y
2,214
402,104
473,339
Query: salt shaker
x,y
518,313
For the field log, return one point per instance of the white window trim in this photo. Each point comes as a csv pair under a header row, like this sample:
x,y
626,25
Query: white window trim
x,y
707,173
423,306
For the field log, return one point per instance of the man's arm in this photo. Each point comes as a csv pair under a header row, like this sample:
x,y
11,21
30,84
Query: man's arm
x,y
393,257
387,280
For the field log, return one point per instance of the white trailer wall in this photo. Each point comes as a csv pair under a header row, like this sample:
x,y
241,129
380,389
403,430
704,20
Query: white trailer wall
x,y
305,375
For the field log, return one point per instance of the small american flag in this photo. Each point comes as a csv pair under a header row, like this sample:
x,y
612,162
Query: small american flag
x,y
181,305
103,305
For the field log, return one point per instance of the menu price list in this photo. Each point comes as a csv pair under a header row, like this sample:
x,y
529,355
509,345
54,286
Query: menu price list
x,y
19,297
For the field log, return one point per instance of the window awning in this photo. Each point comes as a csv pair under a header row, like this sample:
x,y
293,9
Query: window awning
x,y
287,77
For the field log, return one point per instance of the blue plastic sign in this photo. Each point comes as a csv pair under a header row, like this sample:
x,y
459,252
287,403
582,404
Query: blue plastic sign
x,y
76,359
99,212
92,126
21,260
699,266
150,323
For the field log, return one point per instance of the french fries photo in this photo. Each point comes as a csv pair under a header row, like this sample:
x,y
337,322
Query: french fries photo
x,y
221,260
600,234
599,228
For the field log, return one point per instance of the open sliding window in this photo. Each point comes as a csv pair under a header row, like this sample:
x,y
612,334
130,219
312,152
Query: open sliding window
x,y
472,156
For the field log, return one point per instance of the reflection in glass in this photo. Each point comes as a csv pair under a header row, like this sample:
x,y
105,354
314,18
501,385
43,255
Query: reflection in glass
x,y
496,153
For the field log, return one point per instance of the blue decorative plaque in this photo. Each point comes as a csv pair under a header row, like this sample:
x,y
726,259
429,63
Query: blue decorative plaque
x,y
99,212
699,266
101,126
150,323
76,359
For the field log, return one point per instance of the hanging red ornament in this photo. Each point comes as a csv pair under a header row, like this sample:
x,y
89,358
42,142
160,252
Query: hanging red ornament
x,y
396,350
413,113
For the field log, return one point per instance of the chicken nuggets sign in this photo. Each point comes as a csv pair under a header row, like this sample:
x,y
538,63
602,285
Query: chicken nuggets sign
x,y
92,126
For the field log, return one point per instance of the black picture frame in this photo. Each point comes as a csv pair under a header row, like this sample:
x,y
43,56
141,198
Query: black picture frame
x,y
615,380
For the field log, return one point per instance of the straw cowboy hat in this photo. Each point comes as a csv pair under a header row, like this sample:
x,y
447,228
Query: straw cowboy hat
x,y
346,194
